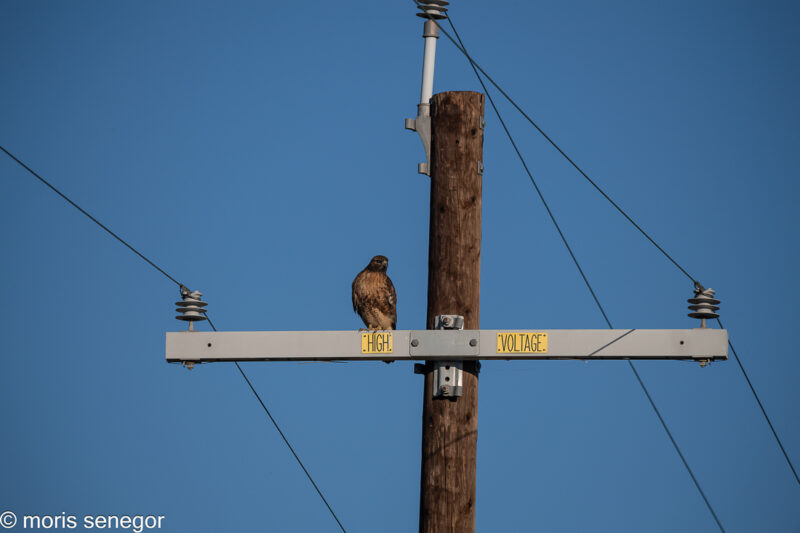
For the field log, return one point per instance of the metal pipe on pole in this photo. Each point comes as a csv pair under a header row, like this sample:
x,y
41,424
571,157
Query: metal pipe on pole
x,y
431,34
430,10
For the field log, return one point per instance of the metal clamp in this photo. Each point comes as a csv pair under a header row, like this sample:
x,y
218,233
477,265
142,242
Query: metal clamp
x,y
448,375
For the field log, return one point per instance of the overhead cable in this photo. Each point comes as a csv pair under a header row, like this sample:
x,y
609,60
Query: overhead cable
x,y
120,239
475,65
459,45
585,279
288,444
764,411
82,210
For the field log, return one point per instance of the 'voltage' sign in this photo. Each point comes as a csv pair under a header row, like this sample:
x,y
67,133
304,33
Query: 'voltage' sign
x,y
525,342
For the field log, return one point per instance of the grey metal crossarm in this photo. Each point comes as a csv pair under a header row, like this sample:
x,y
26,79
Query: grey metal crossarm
x,y
700,344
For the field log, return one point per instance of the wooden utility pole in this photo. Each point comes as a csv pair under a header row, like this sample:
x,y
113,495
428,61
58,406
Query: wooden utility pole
x,y
450,425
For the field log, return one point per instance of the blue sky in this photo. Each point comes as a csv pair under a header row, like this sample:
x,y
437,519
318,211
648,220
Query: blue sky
x,y
256,152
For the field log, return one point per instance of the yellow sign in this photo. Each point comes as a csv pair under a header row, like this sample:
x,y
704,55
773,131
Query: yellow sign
x,y
522,342
376,342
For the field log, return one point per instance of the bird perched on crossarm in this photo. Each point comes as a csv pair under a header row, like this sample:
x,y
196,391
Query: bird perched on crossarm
x,y
374,297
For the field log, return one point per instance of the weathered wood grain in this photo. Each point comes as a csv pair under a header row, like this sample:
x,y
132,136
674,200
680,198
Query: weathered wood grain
x,y
450,427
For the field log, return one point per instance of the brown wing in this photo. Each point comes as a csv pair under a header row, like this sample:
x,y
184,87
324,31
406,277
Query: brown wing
x,y
357,300
381,296
392,302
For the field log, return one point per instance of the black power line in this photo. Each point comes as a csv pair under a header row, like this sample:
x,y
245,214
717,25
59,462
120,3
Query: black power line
x,y
82,210
585,279
460,46
274,423
475,65
764,411
134,250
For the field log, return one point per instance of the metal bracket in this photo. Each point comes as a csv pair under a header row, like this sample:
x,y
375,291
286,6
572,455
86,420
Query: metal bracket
x,y
426,343
448,322
447,379
448,375
422,125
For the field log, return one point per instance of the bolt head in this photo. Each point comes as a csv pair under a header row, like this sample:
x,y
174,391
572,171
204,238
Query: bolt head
x,y
414,342
473,342
447,321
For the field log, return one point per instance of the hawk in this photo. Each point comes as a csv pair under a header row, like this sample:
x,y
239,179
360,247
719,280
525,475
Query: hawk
x,y
374,298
